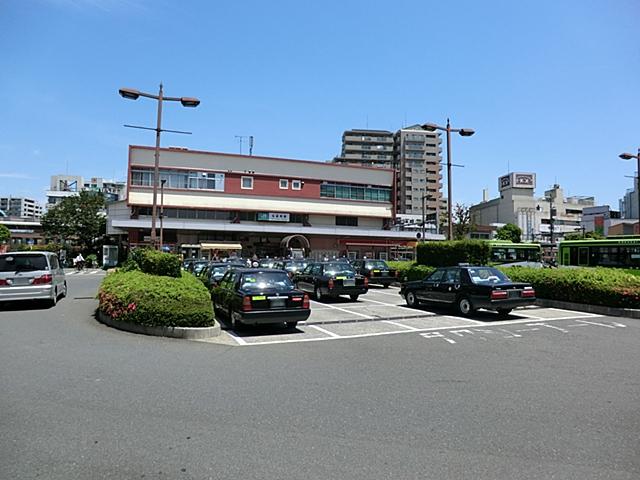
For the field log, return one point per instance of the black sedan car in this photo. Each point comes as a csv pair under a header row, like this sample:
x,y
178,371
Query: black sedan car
x,y
331,279
469,288
255,296
291,266
377,271
214,271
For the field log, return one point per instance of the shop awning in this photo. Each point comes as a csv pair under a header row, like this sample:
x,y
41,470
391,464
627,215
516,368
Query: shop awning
x,y
221,246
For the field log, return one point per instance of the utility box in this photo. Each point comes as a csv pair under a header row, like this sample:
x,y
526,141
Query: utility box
x,y
109,256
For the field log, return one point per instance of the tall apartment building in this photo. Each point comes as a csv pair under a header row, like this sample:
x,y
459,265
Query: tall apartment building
x,y
21,207
63,186
412,152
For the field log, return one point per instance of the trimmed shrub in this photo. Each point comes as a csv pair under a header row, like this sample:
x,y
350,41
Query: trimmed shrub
x,y
596,286
409,271
450,253
151,300
153,262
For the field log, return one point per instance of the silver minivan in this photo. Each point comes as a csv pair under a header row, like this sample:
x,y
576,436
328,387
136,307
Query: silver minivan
x,y
31,276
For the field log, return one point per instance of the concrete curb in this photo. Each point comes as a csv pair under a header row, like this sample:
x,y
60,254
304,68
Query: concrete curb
x,y
584,307
185,333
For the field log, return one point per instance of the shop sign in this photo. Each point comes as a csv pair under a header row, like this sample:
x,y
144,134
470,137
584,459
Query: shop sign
x,y
272,217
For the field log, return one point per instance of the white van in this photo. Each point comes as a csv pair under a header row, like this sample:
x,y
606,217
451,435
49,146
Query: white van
x,y
31,276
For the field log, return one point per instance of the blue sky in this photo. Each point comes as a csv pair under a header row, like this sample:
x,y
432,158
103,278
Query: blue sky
x,y
550,87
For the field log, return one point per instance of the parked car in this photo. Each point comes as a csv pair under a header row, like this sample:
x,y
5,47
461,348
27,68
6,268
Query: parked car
x,y
331,279
377,271
267,262
31,276
197,266
255,296
291,266
469,288
214,271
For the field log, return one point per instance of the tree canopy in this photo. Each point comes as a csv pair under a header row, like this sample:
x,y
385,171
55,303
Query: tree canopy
x,y
509,232
461,221
5,234
80,218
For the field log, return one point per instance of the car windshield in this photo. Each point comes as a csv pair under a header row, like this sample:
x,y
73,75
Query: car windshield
x,y
220,270
14,263
265,281
338,268
376,264
199,266
295,265
481,275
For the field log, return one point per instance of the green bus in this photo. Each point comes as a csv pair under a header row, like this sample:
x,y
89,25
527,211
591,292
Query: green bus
x,y
508,252
619,252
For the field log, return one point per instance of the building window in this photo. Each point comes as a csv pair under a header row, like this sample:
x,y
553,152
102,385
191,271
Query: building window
x,y
344,221
296,185
246,183
284,184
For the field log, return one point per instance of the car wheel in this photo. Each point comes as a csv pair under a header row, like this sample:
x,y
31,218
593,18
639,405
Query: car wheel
x,y
504,312
235,322
291,325
354,297
465,306
54,299
411,299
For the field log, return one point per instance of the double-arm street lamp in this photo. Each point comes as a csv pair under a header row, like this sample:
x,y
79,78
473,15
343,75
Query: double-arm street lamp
x,y
631,156
132,94
465,132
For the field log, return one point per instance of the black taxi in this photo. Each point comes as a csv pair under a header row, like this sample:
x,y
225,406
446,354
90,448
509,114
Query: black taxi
x,y
331,279
469,288
377,271
255,296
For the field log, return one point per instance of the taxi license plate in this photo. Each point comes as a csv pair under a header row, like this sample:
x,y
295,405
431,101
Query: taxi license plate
x,y
514,293
349,282
278,302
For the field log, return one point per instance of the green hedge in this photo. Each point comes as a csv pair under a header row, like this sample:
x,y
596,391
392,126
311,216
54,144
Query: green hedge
x,y
138,297
153,262
409,271
448,253
595,286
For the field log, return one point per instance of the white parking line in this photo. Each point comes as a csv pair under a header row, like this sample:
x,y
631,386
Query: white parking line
x,y
326,332
349,311
397,324
395,294
395,306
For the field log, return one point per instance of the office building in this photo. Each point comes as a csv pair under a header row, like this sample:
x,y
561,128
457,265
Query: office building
x,y
63,186
413,153
536,217
21,207
268,206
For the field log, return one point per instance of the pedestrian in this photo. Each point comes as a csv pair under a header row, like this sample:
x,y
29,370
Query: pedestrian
x,y
79,261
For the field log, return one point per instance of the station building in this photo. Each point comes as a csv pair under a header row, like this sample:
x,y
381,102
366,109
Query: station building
x,y
215,202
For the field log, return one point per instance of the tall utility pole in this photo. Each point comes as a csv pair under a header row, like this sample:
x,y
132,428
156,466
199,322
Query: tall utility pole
x,y
465,132
132,94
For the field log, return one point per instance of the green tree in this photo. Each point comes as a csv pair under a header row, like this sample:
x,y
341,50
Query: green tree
x,y
79,218
509,232
461,221
580,236
5,234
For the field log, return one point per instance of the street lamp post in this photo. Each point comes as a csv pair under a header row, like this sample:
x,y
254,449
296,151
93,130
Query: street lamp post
x,y
132,94
630,156
162,182
465,132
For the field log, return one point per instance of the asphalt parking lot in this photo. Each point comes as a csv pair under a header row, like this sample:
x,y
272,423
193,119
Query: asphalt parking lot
x,y
382,312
